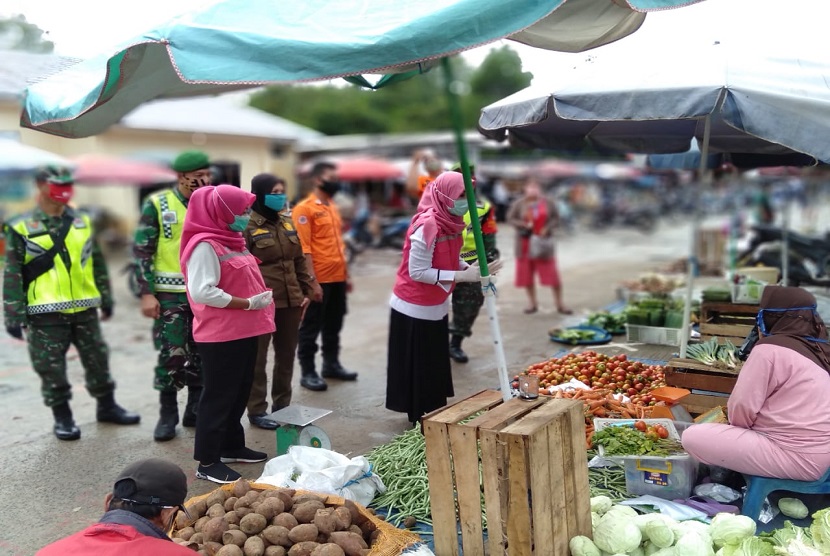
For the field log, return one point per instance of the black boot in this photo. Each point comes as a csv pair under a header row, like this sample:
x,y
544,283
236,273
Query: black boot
x,y
168,417
333,369
311,380
65,428
456,353
193,395
111,412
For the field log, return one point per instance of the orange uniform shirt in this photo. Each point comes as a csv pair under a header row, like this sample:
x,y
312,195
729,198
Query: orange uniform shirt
x,y
320,231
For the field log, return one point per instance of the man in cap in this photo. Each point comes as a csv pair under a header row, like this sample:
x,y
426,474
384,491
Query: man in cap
x,y
467,298
141,507
54,283
163,294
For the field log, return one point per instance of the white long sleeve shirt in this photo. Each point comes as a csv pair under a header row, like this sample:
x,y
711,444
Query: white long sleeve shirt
x,y
421,270
203,274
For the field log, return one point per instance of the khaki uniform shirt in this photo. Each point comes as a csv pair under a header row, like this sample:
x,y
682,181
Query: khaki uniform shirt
x,y
283,264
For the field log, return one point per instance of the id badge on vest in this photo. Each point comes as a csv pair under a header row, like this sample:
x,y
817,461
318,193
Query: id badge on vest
x,y
169,217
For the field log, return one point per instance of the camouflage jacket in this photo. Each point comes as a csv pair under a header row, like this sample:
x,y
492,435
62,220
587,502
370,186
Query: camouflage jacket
x,y
145,244
14,295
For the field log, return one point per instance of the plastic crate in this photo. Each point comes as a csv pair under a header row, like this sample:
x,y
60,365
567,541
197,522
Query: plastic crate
x,y
668,478
653,335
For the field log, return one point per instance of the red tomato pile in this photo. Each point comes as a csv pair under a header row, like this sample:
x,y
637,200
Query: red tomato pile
x,y
612,372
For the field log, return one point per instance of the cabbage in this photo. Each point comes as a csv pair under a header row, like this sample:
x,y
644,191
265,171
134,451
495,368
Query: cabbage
x,y
649,548
793,507
617,533
601,504
697,527
787,533
820,530
798,547
583,546
595,517
637,552
666,552
659,533
623,511
728,529
754,546
693,544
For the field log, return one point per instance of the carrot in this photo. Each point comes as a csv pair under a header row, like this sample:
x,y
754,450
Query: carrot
x,y
595,404
626,414
599,412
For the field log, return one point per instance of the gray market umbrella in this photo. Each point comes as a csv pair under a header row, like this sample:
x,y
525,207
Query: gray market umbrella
x,y
753,101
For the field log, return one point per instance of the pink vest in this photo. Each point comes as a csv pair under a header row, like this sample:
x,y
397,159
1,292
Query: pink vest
x,y
240,277
444,257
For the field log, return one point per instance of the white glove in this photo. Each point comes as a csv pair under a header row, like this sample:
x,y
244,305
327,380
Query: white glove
x,y
495,266
260,300
470,274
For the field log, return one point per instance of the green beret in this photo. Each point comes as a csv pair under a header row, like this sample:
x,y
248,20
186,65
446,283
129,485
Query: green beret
x,y
190,161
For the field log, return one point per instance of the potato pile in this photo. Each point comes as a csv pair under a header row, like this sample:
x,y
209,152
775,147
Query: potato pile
x,y
277,522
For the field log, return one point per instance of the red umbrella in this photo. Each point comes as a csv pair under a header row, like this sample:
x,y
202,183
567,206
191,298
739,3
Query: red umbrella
x,y
101,169
363,169
556,169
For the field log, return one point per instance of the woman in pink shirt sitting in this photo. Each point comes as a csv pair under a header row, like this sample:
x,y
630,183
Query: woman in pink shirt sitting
x,y
231,309
778,412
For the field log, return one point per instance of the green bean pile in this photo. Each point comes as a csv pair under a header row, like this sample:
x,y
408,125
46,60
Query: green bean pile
x,y
607,481
402,466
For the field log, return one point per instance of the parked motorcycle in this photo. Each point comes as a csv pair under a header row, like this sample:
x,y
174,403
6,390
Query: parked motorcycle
x,y
392,233
809,257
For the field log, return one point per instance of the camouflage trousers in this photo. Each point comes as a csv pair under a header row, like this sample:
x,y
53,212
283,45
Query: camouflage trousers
x,y
178,361
49,338
467,299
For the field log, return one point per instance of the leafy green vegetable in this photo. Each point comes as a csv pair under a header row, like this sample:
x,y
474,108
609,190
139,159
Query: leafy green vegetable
x,y
572,335
583,546
793,507
616,533
626,441
820,530
714,354
611,322
728,529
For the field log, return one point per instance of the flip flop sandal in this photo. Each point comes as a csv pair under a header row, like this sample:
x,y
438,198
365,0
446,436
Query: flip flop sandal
x,y
531,310
708,506
565,311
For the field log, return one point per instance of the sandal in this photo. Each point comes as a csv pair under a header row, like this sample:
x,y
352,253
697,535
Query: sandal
x,y
530,310
564,311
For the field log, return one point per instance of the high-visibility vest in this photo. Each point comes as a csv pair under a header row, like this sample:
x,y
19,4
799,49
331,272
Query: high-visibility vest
x,y
167,269
468,250
61,289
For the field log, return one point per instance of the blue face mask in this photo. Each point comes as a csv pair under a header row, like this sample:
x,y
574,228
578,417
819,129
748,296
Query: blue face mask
x,y
762,326
275,201
239,223
459,208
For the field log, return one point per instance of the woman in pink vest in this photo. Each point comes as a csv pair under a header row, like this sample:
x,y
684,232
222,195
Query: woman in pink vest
x,y
419,377
227,296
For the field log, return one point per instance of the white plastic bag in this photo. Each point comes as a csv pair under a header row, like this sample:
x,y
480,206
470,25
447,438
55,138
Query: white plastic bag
x,y
321,470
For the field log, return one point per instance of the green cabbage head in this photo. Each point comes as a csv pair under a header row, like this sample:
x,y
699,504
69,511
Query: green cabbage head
x,y
583,546
820,530
729,529
617,533
793,507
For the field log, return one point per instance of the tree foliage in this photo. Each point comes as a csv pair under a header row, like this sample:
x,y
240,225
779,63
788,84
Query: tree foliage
x,y
417,104
18,34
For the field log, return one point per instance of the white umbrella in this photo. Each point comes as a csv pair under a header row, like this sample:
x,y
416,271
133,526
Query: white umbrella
x,y
737,101
17,158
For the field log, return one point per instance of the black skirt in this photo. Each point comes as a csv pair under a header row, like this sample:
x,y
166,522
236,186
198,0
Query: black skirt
x,y
418,370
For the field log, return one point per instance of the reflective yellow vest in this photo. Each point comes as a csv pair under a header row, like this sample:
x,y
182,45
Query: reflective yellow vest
x,y
468,250
167,269
61,289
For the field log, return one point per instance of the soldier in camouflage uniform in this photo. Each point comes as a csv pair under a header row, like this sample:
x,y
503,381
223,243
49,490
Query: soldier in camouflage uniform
x,y
54,282
467,297
163,294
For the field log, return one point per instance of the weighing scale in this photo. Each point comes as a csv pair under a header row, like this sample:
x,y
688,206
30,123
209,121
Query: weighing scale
x,y
296,429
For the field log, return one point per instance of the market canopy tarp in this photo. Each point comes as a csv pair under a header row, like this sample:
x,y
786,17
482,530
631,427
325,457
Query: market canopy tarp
x,y
237,44
17,158
766,104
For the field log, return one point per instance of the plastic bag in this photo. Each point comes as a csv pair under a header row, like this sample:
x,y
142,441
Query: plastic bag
x,y
676,511
719,493
321,470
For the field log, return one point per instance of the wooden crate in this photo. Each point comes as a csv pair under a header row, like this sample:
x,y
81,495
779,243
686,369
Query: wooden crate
x,y
533,473
711,251
726,321
694,375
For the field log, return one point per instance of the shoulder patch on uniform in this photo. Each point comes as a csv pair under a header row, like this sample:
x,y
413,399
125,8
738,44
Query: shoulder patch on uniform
x,y
288,225
79,222
259,232
34,226
302,220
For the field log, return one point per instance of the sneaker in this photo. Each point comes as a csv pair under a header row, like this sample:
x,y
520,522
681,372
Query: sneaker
x,y
217,473
244,455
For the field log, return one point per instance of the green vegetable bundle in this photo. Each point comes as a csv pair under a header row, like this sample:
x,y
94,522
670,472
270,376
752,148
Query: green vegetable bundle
x,y
611,322
715,354
626,441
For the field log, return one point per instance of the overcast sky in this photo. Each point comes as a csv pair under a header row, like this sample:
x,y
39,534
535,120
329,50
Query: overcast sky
x,y
83,28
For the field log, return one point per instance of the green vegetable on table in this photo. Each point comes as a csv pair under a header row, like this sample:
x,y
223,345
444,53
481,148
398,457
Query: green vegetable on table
x,y
573,335
610,322
714,354
626,441
793,507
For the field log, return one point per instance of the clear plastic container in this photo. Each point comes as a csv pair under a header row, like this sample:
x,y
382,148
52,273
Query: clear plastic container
x,y
662,477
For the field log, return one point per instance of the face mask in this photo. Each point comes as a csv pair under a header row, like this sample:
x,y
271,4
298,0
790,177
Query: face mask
x,y
330,188
275,201
60,193
459,208
239,223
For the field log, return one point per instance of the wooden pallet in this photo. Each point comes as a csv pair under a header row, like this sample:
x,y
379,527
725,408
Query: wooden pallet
x,y
726,321
696,376
533,473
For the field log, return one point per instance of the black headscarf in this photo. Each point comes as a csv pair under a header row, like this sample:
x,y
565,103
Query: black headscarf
x,y
798,329
262,185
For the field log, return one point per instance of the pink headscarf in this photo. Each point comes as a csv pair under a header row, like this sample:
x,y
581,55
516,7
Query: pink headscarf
x,y
209,211
433,210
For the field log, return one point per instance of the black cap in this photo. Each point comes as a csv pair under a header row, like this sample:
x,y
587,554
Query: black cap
x,y
158,482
